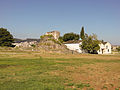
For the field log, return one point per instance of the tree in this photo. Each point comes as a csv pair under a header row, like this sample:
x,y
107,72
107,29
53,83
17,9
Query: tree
x,y
70,36
6,39
90,43
82,35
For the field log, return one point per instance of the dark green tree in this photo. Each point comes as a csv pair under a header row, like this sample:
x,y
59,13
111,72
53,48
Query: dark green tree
x,y
70,36
6,39
82,35
90,44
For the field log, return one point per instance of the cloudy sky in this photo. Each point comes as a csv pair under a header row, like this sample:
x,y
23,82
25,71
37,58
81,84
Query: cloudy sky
x,y
32,18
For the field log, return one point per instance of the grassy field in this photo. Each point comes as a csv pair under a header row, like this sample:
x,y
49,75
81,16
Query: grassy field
x,y
41,71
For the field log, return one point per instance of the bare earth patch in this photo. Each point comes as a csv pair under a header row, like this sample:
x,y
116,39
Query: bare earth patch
x,y
99,75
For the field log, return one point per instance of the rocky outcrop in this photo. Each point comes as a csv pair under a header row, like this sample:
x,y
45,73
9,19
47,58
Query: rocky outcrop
x,y
49,44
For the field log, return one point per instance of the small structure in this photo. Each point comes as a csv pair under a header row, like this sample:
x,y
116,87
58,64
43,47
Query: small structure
x,y
105,48
114,47
56,34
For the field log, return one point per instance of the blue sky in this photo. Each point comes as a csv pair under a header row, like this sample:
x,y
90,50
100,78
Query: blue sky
x,y
32,18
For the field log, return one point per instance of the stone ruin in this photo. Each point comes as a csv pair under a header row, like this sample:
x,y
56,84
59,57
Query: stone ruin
x,y
56,34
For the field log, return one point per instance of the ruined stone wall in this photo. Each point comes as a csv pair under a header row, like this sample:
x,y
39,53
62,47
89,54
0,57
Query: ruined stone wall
x,y
56,34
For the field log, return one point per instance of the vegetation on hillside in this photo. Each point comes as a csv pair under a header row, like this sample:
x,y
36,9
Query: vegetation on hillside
x,y
61,39
46,37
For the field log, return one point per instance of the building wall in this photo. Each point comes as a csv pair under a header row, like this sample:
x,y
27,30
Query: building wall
x,y
74,47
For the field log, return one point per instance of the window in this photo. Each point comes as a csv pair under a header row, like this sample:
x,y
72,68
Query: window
x,y
106,47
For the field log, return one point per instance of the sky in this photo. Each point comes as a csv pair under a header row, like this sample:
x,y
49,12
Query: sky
x,y
33,18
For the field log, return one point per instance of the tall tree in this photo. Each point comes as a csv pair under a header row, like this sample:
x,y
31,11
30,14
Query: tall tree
x,y
6,39
90,43
82,35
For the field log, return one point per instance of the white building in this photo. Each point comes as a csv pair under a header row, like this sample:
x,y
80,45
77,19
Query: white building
x,y
75,46
105,47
